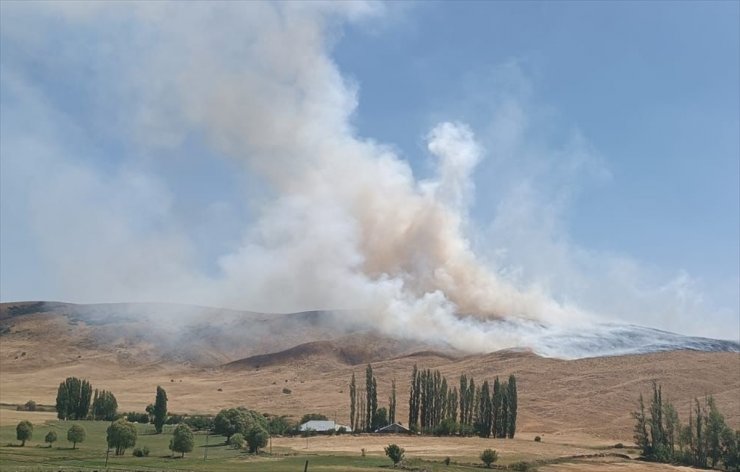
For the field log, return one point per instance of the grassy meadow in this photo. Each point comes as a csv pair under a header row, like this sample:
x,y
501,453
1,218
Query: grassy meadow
x,y
90,455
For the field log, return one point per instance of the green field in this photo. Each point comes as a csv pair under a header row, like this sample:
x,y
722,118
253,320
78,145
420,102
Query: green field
x,y
91,454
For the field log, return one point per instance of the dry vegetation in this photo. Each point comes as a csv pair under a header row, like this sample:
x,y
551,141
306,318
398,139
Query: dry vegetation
x,y
558,399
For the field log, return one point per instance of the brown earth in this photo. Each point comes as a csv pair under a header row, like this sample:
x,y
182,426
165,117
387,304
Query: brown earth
x,y
557,398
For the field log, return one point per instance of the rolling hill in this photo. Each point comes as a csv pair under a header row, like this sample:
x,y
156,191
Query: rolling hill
x,y
209,359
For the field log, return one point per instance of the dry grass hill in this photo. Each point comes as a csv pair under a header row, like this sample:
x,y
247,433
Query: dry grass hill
x,y
210,359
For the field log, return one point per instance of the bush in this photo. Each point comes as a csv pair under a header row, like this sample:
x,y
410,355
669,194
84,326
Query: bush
x,y
522,466
446,427
134,417
30,405
394,452
342,430
287,391
236,441
313,416
537,439
619,446
175,419
488,457
199,422
141,451
447,460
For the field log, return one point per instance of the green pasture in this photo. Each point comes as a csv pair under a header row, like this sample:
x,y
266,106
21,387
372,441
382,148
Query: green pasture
x,y
91,454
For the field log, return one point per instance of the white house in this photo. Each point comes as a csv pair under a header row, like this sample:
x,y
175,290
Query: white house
x,y
322,426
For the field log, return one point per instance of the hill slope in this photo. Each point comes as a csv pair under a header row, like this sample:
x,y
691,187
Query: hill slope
x,y
199,365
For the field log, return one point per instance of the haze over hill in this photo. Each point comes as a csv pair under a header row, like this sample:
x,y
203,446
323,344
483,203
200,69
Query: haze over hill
x,y
248,359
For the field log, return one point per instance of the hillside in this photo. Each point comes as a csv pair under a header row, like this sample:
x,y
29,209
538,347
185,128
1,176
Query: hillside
x,y
257,356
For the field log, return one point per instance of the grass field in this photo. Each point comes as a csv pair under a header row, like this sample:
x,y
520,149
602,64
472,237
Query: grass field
x,y
323,453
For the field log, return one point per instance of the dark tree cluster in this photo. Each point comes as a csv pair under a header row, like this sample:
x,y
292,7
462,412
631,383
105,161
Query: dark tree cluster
x,y
73,399
485,411
104,405
706,441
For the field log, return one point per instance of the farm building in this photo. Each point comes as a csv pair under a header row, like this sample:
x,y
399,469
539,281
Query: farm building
x,y
322,426
393,428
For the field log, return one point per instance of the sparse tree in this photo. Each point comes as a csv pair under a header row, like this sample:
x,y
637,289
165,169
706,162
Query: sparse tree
x,y
395,453
160,409
257,438
50,438
182,439
640,429
488,457
715,426
121,436
24,432
76,434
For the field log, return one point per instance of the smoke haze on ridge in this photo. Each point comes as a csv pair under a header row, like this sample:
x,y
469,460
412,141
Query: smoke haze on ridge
x,y
336,220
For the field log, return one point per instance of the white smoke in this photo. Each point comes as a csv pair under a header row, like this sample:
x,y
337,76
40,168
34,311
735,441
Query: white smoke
x,y
342,222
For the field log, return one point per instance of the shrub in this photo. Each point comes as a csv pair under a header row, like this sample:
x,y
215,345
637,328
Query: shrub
x,y
522,466
446,427
287,391
488,457
313,416
362,452
619,446
537,439
141,451
236,441
447,460
175,419
30,405
394,452
342,430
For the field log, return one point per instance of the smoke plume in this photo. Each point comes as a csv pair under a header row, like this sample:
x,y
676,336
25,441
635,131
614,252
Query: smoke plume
x,y
338,220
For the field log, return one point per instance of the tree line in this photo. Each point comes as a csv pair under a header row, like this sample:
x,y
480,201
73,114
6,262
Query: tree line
x,y
437,407
484,410
706,441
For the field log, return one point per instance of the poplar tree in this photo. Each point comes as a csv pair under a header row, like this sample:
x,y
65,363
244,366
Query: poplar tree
x,y
463,399
496,407
512,396
352,401
160,409
392,403
504,410
414,397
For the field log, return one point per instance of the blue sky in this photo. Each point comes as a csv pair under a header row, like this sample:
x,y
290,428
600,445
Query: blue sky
x,y
608,132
